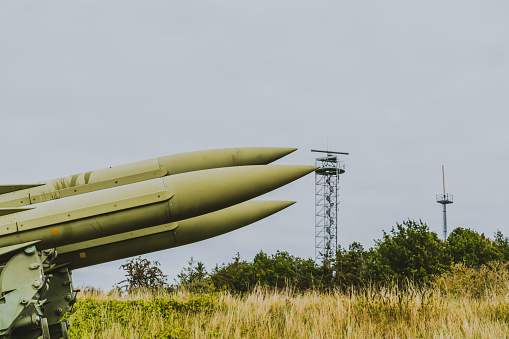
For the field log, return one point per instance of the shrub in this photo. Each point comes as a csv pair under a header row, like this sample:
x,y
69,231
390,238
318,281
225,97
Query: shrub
x,y
410,251
472,248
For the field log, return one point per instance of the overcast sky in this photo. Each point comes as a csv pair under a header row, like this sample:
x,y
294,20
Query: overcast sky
x,y
404,86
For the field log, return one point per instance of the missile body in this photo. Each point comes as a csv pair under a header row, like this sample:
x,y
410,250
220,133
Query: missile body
x,y
144,204
23,195
165,236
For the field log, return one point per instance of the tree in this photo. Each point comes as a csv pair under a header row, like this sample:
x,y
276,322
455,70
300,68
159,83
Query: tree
x,y
141,273
472,248
223,276
502,244
194,278
349,265
410,251
279,270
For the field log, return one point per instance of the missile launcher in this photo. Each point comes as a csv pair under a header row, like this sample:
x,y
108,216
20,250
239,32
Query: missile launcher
x,y
49,228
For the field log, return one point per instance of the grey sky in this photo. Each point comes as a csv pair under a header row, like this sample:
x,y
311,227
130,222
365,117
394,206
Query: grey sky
x,y
404,86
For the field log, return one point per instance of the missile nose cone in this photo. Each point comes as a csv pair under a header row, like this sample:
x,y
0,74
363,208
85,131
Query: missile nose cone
x,y
202,192
277,206
225,157
226,220
274,153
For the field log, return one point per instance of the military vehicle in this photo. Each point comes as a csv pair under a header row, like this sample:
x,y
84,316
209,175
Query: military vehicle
x,y
49,228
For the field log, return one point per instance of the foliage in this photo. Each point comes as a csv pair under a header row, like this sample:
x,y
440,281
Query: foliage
x,y
410,284
467,281
472,248
194,278
502,244
350,266
409,252
416,311
141,273
130,312
280,270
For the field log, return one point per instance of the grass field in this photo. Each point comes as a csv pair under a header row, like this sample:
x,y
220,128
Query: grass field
x,y
465,303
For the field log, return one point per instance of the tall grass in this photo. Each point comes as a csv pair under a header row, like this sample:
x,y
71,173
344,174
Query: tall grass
x,y
465,303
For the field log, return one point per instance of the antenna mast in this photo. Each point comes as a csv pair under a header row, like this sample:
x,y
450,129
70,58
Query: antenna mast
x,y
444,199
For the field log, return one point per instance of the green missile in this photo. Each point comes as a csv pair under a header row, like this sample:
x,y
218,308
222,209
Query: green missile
x,y
166,236
119,212
22,195
143,204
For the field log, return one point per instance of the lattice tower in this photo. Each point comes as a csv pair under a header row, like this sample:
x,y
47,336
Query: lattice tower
x,y
326,207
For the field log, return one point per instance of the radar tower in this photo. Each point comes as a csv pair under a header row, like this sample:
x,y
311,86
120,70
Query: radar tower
x,y
326,205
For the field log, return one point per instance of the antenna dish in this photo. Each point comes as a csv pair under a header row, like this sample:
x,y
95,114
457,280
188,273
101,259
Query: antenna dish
x,y
329,152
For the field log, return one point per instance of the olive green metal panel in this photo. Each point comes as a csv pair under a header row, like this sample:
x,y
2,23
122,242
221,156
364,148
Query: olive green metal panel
x,y
26,222
101,175
62,208
13,248
8,228
116,251
12,310
20,280
82,246
37,197
12,210
13,188
15,199
94,227
32,302
19,270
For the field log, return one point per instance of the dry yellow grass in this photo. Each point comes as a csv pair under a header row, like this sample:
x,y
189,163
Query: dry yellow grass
x,y
433,312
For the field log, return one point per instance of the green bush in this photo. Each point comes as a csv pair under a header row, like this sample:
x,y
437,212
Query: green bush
x,y
409,252
471,248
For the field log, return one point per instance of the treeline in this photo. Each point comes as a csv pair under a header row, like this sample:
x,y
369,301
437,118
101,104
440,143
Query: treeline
x,y
410,252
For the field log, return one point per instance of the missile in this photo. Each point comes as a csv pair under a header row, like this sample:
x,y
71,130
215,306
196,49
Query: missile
x,y
157,238
22,195
143,204
51,227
